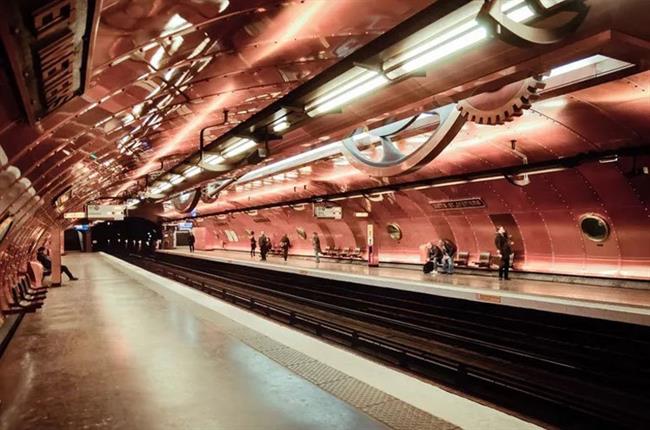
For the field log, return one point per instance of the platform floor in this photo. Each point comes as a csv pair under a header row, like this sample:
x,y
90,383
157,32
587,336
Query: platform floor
x,y
620,304
106,352
123,348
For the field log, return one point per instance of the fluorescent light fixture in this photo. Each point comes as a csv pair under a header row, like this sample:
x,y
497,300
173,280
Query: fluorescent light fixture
x,y
199,48
176,179
582,70
293,162
608,159
460,32
363,83
157,57
239,147
281,126
175,23
575,65
214,159
192,171
164,186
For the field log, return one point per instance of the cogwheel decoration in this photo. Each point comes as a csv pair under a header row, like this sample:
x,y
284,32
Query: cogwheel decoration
x,y
187,201
503,105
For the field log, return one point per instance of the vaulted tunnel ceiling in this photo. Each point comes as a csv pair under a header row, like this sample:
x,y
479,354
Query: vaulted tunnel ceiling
x,y
157,72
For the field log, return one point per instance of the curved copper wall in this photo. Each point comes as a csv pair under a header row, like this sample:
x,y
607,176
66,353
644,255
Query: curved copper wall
x,y
545,214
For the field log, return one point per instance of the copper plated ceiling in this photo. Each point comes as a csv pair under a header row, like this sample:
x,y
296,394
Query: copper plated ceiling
x,y
161,70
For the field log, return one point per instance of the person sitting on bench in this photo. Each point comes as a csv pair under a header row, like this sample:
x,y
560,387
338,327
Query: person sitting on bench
x,y
42,258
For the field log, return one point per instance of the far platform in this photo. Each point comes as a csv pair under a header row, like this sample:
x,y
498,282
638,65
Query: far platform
x,y
610,303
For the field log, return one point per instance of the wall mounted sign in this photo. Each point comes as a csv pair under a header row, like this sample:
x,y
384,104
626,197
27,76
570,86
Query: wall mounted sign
x,y
48,46
113,212
470,203
370,235
328,212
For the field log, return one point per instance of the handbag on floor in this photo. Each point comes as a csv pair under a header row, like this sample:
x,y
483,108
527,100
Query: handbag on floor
x,y
428,267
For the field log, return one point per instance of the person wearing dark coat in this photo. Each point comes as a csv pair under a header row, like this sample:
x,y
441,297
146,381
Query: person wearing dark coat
x,y
191,240
264,245
46,262
253,244
503,245
285,244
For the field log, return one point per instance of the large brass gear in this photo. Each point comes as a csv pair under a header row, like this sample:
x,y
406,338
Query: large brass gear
x,y
503,105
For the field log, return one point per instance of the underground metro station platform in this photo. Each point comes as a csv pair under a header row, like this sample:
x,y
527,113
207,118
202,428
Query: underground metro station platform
x,y
341,214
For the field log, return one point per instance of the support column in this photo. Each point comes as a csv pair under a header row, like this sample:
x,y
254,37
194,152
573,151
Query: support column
x,y
55,255
88,241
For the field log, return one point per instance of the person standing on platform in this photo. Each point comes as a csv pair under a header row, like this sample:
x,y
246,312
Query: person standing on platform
x,y
503,245
191,241
284,245
253,244
264,245
315,243
45,261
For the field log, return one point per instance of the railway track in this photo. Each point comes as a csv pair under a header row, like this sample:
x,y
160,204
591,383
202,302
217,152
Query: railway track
x,y
564,371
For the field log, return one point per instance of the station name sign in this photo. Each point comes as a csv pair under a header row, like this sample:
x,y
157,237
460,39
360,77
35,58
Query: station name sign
x,y
48,46
470,203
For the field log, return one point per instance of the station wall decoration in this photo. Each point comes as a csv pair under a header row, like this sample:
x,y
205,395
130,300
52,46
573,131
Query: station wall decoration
x,y
519,33
47,45
490,108
186,202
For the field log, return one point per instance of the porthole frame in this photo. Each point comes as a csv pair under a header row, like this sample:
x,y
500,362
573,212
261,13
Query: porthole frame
x,y
600,218
394,231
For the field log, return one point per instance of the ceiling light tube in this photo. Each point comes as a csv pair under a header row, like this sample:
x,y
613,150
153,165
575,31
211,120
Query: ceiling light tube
x,y
192,171
281,126
462,31
214,159
164,186
366,83
241,146
176,179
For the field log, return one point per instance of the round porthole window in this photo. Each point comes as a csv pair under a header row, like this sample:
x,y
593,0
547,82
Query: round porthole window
x,y
301,232
594,227
394,231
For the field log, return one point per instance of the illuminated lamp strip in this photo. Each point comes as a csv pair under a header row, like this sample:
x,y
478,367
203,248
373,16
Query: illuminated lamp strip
x,y
239,147
461,32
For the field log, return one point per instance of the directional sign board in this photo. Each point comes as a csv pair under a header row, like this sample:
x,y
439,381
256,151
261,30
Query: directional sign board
x,y
112,212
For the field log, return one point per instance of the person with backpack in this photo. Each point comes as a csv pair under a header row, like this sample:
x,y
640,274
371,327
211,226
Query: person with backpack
x,y
284,245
